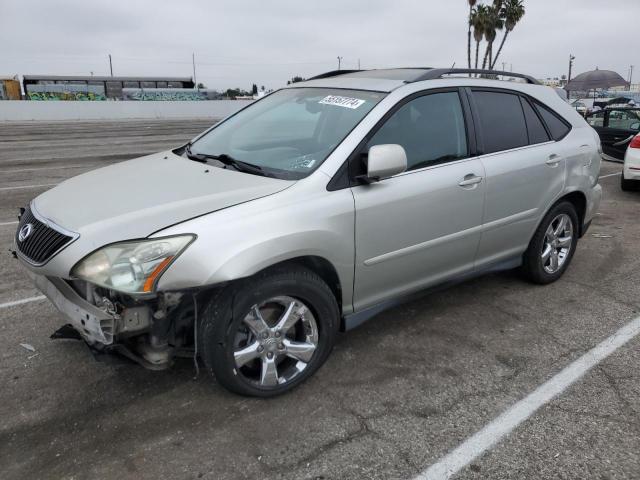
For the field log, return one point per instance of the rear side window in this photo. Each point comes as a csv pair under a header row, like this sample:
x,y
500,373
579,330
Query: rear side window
x,y
537,132
556,125
501,120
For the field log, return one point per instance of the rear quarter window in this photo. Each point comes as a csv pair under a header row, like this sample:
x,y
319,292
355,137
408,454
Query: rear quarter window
x,y
557,126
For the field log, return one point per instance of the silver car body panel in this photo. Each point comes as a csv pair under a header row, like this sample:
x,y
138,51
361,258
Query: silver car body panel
x,y
374,241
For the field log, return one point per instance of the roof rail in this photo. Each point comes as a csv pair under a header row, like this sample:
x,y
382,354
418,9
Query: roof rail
x,y
333,73
435,73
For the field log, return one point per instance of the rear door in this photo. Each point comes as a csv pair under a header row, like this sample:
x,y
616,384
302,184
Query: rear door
x,y
525,170
422,226
622,125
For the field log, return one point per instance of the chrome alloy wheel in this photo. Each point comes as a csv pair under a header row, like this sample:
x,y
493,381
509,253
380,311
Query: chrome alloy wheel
x,y
275,341
557,243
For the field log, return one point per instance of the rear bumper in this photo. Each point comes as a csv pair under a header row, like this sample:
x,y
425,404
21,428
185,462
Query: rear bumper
x,y
94,325
631,172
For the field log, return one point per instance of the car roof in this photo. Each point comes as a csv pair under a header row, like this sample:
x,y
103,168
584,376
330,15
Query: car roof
x,y
389,79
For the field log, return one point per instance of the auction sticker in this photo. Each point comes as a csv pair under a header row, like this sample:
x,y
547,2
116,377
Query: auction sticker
x,y
345,102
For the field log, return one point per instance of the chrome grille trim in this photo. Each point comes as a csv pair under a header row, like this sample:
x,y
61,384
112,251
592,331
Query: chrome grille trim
x,y
46,240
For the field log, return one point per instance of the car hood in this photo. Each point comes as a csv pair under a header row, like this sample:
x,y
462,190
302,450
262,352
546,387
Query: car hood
x,y
135,198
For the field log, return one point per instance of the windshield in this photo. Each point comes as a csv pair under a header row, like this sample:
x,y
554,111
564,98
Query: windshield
x,y
291,132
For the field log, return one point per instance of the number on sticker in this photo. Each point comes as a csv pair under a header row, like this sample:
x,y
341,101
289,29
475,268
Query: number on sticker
x,y
339,101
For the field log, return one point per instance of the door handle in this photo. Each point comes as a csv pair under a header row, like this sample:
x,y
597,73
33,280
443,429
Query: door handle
x,y
622,142
553,160
470,180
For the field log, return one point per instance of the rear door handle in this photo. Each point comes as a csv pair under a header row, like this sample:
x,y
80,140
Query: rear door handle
x,y
470,180
553,160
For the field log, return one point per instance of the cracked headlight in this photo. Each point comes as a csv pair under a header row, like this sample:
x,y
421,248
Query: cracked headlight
x,y
131,267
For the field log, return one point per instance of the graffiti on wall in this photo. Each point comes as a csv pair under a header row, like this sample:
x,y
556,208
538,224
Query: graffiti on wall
x,y
66,92
162,94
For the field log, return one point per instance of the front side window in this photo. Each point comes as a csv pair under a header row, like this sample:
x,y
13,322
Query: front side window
x,y
430,128
291,132
501,120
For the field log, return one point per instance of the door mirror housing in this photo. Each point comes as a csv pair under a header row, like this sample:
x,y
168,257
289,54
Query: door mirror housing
x,y
384,161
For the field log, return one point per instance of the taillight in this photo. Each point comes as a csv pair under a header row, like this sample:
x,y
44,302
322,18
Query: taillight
x,y
635,143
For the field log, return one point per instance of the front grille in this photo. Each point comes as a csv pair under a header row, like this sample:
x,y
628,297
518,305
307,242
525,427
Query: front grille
x,y
42,242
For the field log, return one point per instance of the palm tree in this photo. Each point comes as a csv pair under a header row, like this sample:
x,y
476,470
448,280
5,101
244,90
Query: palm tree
x,y
478,20
512,12
493,23
472,3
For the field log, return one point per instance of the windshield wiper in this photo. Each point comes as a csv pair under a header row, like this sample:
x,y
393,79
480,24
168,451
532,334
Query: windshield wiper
x,y
226,160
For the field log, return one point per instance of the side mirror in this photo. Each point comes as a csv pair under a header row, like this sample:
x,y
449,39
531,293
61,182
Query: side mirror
x,y
385,161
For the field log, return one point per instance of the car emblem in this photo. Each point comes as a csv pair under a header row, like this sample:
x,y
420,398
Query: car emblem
x,y
24,232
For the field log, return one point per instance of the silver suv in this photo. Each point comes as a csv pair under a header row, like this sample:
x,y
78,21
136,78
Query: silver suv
x,y
307,213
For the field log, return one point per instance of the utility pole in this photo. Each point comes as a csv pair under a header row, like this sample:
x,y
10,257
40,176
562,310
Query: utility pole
x,y
193,61
358,64
571,59
110,65
339,62
504,66
630,75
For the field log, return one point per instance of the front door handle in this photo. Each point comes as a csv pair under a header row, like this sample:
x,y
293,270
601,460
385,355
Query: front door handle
x,y
622,142
553,160
470,180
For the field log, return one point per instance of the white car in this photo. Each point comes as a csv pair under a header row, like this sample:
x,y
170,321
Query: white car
x,y
631,170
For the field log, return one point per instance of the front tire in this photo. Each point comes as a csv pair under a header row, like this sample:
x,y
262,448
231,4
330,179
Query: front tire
x,y
553,245
265,335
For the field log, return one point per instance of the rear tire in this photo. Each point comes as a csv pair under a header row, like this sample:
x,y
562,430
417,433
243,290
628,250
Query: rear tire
x,y
553,245
264,335
628,185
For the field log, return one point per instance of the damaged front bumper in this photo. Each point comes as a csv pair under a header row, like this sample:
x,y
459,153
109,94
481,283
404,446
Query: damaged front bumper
x,y
149,331
95,326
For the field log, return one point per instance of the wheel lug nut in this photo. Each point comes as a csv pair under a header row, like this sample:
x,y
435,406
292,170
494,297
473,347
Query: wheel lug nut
x,y
265,335
280,346
277,333
270,355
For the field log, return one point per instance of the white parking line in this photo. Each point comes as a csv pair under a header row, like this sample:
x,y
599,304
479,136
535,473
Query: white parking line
x,y
491,434
20,302
57,167
29,186
610,175
8,223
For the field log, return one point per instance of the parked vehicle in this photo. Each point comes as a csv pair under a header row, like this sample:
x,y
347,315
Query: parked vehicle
x,y
630,179
310,211
616,128
580,107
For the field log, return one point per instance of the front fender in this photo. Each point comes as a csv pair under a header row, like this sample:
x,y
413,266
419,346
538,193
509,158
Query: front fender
x,y
240,241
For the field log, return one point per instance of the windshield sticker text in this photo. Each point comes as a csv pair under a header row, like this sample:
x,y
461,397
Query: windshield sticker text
x,y
345,102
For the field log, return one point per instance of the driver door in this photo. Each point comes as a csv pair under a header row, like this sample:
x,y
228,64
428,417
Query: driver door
x,y
422,226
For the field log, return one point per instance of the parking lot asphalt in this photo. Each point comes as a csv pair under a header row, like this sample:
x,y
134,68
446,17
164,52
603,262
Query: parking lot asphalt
x,y
397,394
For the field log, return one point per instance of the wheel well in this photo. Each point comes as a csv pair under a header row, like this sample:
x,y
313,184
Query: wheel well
x,y
321,267
579,201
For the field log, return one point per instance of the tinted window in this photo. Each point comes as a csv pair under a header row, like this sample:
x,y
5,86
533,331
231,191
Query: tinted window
x,y
430,128
557,127
501,120
537,132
